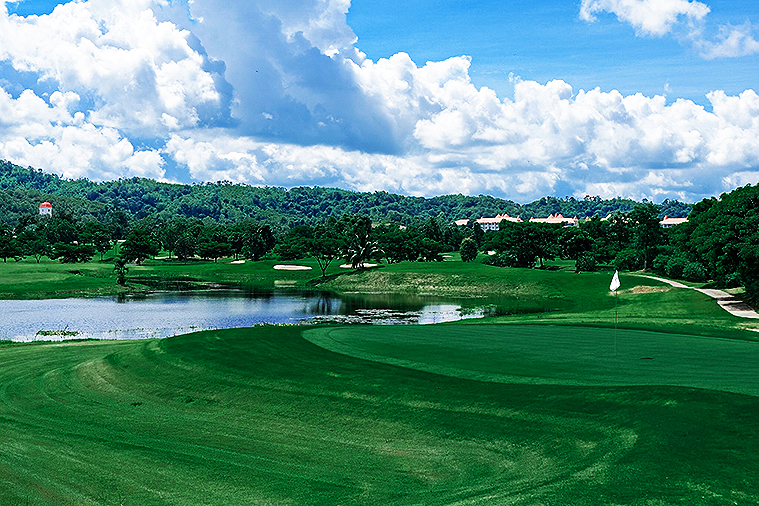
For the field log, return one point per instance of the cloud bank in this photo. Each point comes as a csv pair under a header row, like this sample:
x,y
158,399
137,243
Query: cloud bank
x,y
278,93
685,18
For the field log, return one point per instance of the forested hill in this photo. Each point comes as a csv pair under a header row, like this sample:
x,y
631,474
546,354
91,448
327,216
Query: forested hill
x,y
22,190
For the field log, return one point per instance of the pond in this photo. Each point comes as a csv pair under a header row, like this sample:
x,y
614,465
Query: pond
x,y
163,314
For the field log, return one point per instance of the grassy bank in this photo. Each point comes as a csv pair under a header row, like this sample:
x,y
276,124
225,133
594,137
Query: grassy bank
x,y
262,416
556,296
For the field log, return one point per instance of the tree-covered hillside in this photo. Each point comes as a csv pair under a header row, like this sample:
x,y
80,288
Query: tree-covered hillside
x,y
22,189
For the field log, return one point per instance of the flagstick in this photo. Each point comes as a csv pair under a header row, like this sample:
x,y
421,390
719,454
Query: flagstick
x,y
615,322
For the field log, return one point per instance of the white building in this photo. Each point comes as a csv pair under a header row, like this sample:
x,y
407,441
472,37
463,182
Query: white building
x,y
558,218
46,208
492,223
668,222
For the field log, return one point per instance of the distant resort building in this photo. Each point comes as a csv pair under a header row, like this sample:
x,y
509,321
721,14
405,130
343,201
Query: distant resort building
x,y
668,222
557,218
491,224
46,208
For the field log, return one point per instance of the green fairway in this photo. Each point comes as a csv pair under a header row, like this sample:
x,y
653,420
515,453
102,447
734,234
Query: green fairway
x,y
543,354
262,416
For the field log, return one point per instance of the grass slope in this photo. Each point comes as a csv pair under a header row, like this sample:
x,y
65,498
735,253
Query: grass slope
x,y
559,355
262,416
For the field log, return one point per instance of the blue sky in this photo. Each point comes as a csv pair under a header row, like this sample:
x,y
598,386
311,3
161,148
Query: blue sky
x,y
635,98
547,40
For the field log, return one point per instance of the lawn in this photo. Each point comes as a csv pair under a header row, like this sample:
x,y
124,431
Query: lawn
x,y
262,416
547,402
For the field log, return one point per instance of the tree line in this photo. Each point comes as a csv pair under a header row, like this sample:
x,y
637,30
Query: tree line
x,y
22,189
719,242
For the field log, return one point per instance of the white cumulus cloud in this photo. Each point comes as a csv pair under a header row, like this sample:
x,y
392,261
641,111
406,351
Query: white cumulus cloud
x,y
685,18
648,17
277,93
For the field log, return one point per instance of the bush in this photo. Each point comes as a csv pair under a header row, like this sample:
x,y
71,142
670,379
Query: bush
x,y
504,260
628,260
660,263
732,280
694,271
586,262
675,267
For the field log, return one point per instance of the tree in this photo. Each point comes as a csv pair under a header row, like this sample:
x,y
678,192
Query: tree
x,y
72,253
97,234
478,234
8,245
398,243
586,262
468,249
360,246
255,240
296,243
33,243
514,244
139,245
211,249
327,244
574,241
119,266
185,246
647,233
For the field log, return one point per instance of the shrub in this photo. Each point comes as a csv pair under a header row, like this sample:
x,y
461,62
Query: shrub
x,y
660,263
732,280
504,260
694,271
675,267
586,262
628,260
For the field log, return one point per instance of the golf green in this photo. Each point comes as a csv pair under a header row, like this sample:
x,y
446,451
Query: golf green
x,y
261,416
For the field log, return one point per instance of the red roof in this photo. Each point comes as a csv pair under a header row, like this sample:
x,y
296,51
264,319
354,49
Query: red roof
x,y
46,204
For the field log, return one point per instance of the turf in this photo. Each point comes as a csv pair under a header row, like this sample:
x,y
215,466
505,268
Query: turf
x,y
262,416
549,354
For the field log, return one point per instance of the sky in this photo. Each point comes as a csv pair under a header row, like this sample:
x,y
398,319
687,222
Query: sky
x,y
640,99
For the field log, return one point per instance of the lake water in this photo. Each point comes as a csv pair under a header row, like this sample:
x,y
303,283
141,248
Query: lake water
x,y
165,314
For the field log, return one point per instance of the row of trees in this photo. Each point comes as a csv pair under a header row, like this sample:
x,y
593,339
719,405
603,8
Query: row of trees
x,y
352,237
22,189
719,242
59,237
629,240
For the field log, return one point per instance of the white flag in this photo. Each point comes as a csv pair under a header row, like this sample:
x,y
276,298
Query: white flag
x,y
614,282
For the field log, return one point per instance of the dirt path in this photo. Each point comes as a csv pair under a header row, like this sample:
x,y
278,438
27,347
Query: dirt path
x,y
726,301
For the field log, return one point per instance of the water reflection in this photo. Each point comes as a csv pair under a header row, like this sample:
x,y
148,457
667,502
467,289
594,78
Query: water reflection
x,y
163,314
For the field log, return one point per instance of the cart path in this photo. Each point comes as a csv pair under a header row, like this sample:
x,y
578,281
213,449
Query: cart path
x,y
728,302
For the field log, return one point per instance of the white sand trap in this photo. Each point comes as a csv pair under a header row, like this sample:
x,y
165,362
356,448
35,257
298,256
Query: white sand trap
x,y
348,266
292,268
238,262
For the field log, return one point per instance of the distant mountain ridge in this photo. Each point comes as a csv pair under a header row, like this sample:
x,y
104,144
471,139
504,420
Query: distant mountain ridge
x,y
22,190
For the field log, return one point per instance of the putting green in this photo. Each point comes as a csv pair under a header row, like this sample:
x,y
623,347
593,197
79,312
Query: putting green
x,y
545,354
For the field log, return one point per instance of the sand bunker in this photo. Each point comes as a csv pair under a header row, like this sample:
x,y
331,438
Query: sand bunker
x,y
238,262
292,268
650,289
